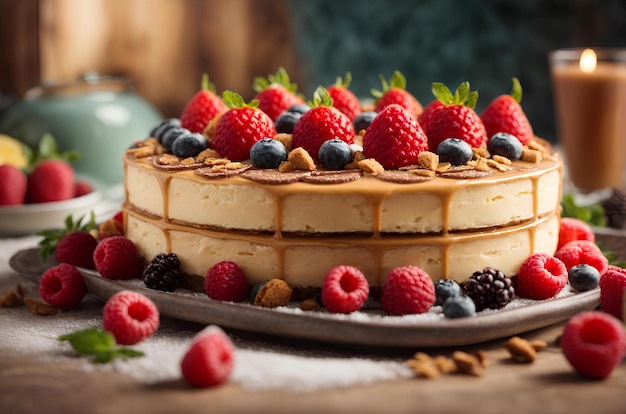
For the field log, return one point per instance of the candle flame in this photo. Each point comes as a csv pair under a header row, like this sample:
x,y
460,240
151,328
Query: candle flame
x,y
588,61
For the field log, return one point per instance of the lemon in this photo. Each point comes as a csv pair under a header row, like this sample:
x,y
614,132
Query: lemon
x,y
12,152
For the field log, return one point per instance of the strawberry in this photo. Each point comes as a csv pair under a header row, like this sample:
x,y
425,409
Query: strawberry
x,y
343,98
456,118
394,92
394,138
73,244
82,188
428,111
321,123
505,114
276,93
51,180
13,185
203,107
240,127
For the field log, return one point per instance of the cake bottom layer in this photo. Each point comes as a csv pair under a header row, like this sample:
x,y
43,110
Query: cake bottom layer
x,y
304,261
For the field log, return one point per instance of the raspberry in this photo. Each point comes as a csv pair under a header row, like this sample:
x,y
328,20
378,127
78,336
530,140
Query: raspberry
x,y
612,287
541,276
345,289
209,361
62,286
76,248
594,343
130,316
582,252
574,229
226,281
116,258
407,290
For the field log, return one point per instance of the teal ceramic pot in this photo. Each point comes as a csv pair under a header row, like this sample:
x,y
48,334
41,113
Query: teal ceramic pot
x,y
98,116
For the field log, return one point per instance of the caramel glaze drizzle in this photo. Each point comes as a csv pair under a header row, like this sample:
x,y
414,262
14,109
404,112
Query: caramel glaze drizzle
x,y
377,243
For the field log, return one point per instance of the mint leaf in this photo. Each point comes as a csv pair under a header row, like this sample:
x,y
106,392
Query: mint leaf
x,y
100,344
593,214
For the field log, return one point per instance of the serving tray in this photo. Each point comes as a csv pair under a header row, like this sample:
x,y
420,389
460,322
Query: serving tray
x,y
364,328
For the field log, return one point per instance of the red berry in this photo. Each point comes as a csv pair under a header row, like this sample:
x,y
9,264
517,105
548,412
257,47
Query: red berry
x,y
394,138
76,248
112,227
226,281
130,316
51,180
504,114
82,188
407,290
210,359
320,124
612,287
202,108
239,128
116,257
394,92
344,290
276,93
343,98
456,118
541,276
574,229
13,186
62,286
425,116
582,252
594,343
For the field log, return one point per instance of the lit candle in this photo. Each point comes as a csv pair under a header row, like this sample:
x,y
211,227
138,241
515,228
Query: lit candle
x,y
590,99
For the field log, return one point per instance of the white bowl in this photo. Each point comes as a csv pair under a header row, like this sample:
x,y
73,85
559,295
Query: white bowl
x,y
20,220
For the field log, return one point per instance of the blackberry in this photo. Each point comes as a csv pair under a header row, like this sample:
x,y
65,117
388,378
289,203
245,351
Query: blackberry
x,y
615,209
163,272
489,289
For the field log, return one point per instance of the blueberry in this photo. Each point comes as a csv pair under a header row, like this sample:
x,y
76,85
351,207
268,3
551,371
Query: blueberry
x,y
459,307
363,120
255,290
286,121
334,154
168,138
189,145
299,108
444,289
506,145
583,277
268,153
163,127
455,151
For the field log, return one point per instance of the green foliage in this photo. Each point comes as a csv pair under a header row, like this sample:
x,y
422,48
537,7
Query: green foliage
x,y
592,214
462,96
48,149
52,236
99,344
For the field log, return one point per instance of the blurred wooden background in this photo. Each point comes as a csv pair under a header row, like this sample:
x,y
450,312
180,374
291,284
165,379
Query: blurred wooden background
x,y
163,45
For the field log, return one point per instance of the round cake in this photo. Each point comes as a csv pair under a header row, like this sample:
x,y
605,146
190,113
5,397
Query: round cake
x,y
297,225
397,200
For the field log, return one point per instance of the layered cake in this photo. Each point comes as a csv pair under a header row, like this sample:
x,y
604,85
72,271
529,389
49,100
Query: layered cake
x,y
296,223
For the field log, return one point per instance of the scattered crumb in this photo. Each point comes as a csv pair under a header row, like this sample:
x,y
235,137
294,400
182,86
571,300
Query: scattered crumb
x,y
39,307
521,350
428,160
370,165
309,305
530,155
301,160
286,166
274,293
286,140
11,300
468,364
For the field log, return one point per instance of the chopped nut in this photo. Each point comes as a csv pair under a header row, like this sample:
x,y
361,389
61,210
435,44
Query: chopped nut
x,y
352,166
216,161
233,165
467,363
423,366
209,130
141,152
443,166
428,160
168,159
309,305
207,154
188,161
520,349
502,160
286,140
495,164
533,144
538,345
301,160
286,167
358,156
481,152
11,300
530,155
370,165
274,293
423,173
40,308
482,358
445,365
